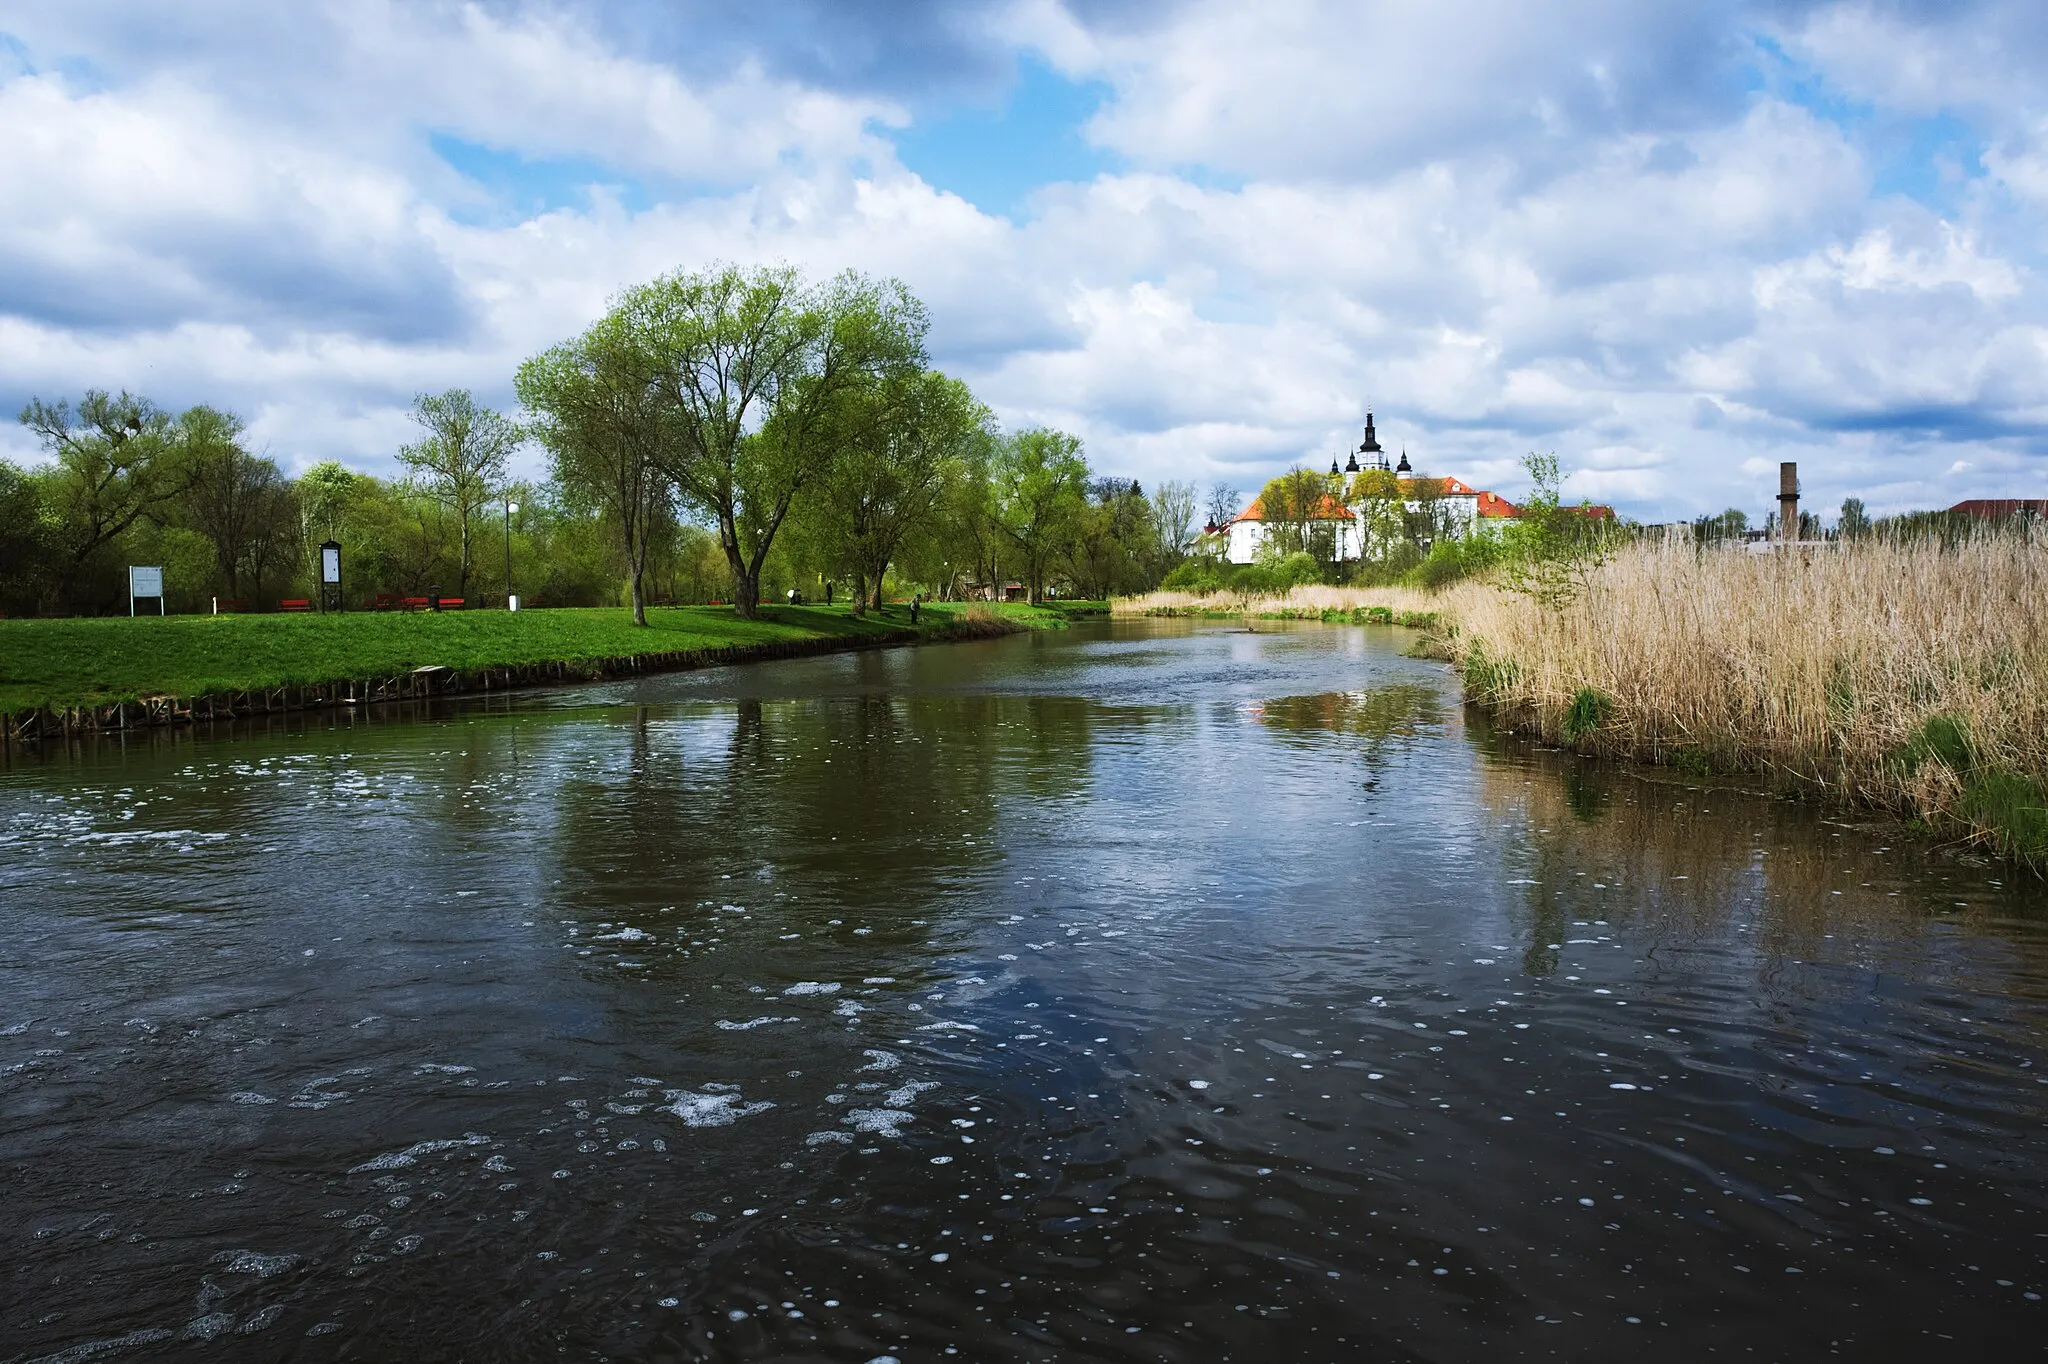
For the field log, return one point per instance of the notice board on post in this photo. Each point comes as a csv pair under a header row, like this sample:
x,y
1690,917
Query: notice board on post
x,y
145,581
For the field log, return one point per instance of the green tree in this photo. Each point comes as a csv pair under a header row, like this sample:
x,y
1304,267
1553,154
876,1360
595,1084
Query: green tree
x,y
461,463
1298,506
115,466
1113,546
900,437
241,502
752,365
604,421
24,540
1375,496
1553,547
1855,522
1040,483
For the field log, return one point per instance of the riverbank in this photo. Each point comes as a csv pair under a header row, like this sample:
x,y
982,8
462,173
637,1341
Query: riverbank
x,y
1333,605
62,676
1906,676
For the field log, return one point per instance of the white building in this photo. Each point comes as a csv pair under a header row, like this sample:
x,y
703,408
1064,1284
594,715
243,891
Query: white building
x,y
1464,510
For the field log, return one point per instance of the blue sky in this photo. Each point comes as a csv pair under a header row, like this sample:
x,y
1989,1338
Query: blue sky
x,y
1674,244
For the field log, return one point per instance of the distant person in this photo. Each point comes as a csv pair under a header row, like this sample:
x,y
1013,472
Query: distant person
x,y
828,594
792,596
913,609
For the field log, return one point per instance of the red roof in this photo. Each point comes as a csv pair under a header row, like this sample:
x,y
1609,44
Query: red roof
x,y
1998,508
1493,504
1452,487
1330,509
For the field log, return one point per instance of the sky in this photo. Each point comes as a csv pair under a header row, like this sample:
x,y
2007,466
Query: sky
x,y
1672,243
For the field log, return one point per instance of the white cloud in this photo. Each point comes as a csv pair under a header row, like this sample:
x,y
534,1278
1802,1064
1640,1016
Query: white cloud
x,y
1509,230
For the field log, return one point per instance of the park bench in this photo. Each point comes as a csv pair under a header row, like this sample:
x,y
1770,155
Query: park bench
x,y
295,604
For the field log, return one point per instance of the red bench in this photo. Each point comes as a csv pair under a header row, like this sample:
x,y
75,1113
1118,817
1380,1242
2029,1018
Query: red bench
x,y
295,604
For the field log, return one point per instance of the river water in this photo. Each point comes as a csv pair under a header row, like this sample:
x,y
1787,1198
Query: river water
x,y
1150,991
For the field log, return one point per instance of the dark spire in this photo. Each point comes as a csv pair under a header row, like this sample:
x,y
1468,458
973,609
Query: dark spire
x,y
1402,467
1371,444
1351,465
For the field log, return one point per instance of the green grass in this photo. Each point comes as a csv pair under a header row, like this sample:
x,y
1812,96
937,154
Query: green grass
x,y
78,662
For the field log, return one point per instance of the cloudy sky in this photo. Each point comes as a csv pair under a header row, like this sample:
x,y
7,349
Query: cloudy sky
x,y
1673,242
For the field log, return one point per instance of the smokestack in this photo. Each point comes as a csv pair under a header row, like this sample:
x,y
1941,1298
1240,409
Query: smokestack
x,y
1788,501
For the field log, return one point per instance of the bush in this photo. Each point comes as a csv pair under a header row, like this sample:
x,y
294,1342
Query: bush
x,y
1588,711
1454,560
1298,569
1200,576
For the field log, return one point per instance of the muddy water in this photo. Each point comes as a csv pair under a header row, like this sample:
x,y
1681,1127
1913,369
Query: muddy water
x,y
1143,992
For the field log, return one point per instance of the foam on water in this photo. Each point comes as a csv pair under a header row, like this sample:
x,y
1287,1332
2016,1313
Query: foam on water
x,y
705,1108
399,1160
254,1262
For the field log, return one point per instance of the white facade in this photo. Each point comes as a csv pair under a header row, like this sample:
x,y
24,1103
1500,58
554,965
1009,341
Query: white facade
x,y
1460,505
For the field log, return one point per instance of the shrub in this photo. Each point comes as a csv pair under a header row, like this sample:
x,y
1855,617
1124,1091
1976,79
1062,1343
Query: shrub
x,y
1200,576
1588,711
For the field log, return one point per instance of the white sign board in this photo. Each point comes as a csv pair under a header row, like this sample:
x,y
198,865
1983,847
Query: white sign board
x,y
330,564
145,582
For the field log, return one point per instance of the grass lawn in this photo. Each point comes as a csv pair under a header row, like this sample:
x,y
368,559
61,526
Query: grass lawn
x,y
79,662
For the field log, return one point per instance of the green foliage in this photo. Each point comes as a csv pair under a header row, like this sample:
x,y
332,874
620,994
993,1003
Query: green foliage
x,y
2006,809
1486,677
1201,576
1454,558
24,542
1854,522
601,418
1040,486
1589,710
753,369
460,463
1943,738
115,465
1115,548
2012,810
1552,549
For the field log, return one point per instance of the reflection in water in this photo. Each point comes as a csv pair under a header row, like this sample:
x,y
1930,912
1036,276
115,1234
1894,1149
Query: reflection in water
x,y
1058,997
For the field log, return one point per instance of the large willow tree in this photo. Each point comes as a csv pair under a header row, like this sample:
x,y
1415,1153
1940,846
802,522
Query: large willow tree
x,y
752,368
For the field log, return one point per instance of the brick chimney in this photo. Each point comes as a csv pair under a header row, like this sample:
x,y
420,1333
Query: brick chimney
x,y
1788,501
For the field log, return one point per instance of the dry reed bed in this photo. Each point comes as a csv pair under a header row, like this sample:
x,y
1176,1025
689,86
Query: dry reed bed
x,y
1821,668
1299,601
1816,668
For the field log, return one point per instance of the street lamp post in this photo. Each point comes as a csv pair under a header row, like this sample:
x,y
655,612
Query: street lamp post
x,y
511,510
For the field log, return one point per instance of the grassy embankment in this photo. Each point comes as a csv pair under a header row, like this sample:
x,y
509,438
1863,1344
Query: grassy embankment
x,y
72,663
1910,676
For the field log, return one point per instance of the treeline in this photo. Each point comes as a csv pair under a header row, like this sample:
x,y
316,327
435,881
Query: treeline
x,y
723,435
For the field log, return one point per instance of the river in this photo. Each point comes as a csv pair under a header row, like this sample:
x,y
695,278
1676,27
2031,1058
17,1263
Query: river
x,y
1146,991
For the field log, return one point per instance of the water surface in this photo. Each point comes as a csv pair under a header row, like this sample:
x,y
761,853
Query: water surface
x,y
1147,992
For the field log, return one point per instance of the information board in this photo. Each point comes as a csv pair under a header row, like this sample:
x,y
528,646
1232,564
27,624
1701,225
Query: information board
x,y
330,563
145,582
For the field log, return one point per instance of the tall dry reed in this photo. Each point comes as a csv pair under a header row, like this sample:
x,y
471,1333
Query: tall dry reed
x,y
1824,667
